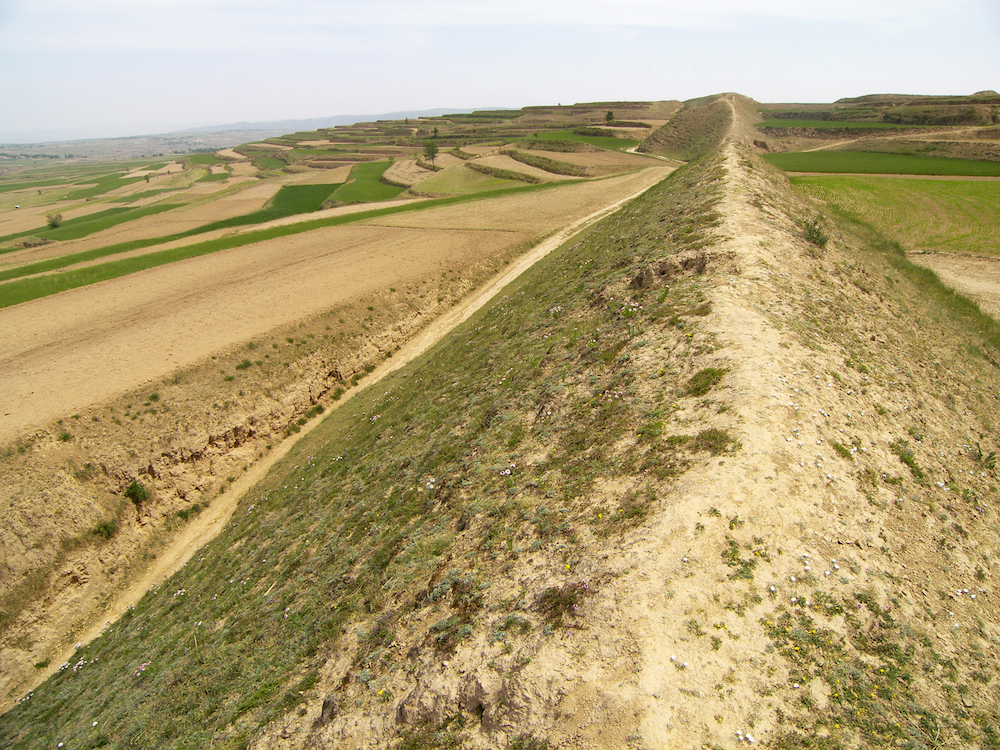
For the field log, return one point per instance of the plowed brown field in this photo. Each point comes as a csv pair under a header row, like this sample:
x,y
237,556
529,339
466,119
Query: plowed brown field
x,y
61,353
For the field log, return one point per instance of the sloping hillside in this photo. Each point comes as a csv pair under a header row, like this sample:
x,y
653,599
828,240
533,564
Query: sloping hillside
x,y
693,481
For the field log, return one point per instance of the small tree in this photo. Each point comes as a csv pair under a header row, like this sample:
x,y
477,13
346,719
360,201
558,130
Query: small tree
x,y
431,151
609,117
54,220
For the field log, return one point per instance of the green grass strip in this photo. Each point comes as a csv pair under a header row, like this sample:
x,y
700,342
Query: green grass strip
x,y
74,229
832,124
863,162
10,187
25,290
609,143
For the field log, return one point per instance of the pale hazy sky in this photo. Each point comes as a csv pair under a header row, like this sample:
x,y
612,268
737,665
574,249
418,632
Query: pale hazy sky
x,y
127,67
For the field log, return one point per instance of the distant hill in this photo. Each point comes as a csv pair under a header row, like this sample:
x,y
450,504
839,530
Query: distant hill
x,y
288,126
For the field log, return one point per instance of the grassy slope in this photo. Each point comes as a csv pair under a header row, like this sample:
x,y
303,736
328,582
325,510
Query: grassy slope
x,y
874,163
953,216
343,529
694,131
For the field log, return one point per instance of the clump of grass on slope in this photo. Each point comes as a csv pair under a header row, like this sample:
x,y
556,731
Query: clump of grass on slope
x,y
356,525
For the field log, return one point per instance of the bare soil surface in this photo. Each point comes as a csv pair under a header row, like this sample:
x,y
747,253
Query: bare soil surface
x,y
975,276
530,211
188,310
180,219
323,176
600,162
408,172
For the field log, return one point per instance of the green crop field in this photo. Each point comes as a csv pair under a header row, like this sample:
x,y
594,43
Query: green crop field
x,y
268,162
101,185
460,181
288,201
139,196
609,143
216,177
10,187
832,124
952,215
864,162
364,185
202,160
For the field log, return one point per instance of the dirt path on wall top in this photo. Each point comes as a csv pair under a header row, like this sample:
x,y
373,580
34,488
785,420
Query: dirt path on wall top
x,y
207,525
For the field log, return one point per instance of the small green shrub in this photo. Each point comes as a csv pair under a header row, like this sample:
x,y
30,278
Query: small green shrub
x,y
986,460
814,233
54,220
106,529
137,492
